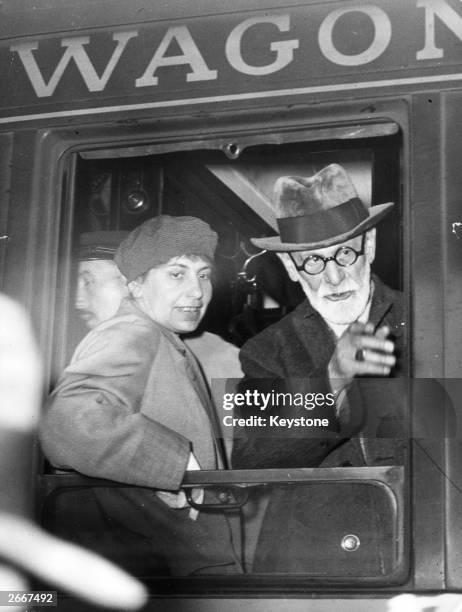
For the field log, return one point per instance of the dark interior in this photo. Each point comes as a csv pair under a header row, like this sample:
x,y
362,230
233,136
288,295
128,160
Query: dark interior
x,y
233,196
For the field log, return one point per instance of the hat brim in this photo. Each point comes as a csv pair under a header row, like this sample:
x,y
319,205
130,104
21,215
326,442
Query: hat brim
x,y
273,243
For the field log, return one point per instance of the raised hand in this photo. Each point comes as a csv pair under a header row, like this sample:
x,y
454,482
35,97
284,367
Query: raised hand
x,y
362,351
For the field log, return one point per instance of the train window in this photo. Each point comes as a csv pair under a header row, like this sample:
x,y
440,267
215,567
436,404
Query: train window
x,y
234,197
323,523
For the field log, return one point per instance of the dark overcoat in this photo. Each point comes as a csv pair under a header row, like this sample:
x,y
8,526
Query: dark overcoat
x,y
304,526
293,355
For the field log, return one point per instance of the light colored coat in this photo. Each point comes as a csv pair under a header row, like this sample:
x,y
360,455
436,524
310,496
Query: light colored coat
x,y
131,406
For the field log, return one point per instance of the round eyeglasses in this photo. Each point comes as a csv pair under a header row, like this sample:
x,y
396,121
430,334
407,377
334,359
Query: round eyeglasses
x,y
344,256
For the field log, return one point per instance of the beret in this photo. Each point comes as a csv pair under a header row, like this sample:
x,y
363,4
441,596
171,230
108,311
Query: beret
x,y
157,240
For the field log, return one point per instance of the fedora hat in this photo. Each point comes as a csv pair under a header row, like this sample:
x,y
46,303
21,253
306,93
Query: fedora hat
x,y
319,211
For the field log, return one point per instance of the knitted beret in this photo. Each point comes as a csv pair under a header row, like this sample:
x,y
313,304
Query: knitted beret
x,y
159,239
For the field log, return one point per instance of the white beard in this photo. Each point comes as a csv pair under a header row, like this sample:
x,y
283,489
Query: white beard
x,y
343,312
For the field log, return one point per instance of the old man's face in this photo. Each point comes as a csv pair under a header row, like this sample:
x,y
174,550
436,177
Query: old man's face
x,y
100,289
176,294
340,294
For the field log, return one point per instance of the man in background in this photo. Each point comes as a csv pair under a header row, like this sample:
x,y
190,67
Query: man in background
x,y
101,286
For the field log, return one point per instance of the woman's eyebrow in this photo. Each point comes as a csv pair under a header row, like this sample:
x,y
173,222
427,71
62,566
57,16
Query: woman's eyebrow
x,y
206,266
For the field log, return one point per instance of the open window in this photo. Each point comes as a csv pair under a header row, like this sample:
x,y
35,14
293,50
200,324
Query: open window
x,y
231,189
361,537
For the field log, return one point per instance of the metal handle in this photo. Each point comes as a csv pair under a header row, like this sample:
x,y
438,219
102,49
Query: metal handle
x,y
221,505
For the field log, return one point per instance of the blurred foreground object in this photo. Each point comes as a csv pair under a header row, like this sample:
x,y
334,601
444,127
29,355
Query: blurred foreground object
x,y
448,602
57,563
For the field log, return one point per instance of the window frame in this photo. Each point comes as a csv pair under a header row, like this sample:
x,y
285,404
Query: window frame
x,y
67,147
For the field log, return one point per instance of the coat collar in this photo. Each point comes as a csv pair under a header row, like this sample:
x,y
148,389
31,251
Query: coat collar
x,y
129,306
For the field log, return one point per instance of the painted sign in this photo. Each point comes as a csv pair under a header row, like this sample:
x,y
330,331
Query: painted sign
x,y
317,49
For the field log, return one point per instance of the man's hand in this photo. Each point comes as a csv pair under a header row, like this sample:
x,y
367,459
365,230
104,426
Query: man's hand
x,y
361,351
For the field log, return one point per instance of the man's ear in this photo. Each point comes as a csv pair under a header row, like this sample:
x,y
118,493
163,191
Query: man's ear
x,y
289,266
135,289
370,245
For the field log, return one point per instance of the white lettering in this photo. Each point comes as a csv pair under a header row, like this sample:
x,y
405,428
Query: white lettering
x,y
265,400
75,50
284,49
382,36
448,16
190,55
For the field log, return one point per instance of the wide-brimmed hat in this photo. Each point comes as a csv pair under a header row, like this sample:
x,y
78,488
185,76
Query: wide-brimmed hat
x,y
319,211
161,238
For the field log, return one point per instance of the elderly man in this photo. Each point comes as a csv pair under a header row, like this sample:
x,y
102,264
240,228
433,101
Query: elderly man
x,y
350,328
133,406
350,325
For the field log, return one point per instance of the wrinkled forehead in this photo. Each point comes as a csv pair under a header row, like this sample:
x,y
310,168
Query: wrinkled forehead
x,y
329,251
